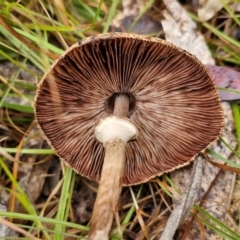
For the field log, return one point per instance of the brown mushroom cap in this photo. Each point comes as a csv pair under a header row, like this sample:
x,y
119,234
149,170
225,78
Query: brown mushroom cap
x,y
173,102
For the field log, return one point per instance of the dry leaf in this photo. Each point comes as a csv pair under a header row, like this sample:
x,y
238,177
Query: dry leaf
x,y
225,77
184,35
208,8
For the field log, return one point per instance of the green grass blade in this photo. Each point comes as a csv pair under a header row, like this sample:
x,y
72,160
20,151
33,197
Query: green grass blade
x,y
128,216
111,14
40,41
163,188
236,114
147,6
29,151
18,107
216,225
95,19
6,92
229,90
22,197
229,147
30,217
229,162
132,209
22,49
63,202
230,12
219,231
217,32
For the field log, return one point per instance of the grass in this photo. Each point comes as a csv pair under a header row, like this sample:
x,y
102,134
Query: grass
x,y
36,34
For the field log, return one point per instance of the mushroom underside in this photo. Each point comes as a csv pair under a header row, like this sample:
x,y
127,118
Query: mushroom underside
x,y
175,105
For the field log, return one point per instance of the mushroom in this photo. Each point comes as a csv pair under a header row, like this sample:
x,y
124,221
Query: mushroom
x,y
123,108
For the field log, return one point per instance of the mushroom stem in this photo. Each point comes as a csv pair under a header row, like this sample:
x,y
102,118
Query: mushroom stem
x,y
109,190
121,105
114,132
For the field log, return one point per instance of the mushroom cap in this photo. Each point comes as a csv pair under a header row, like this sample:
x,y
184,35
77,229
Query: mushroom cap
x,y
173,102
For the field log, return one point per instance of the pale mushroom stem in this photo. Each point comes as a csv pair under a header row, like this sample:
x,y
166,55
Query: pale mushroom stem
x,y
110,185
121,105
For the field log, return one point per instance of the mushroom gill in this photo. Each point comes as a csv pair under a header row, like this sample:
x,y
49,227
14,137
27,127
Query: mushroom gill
x,y
173,103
